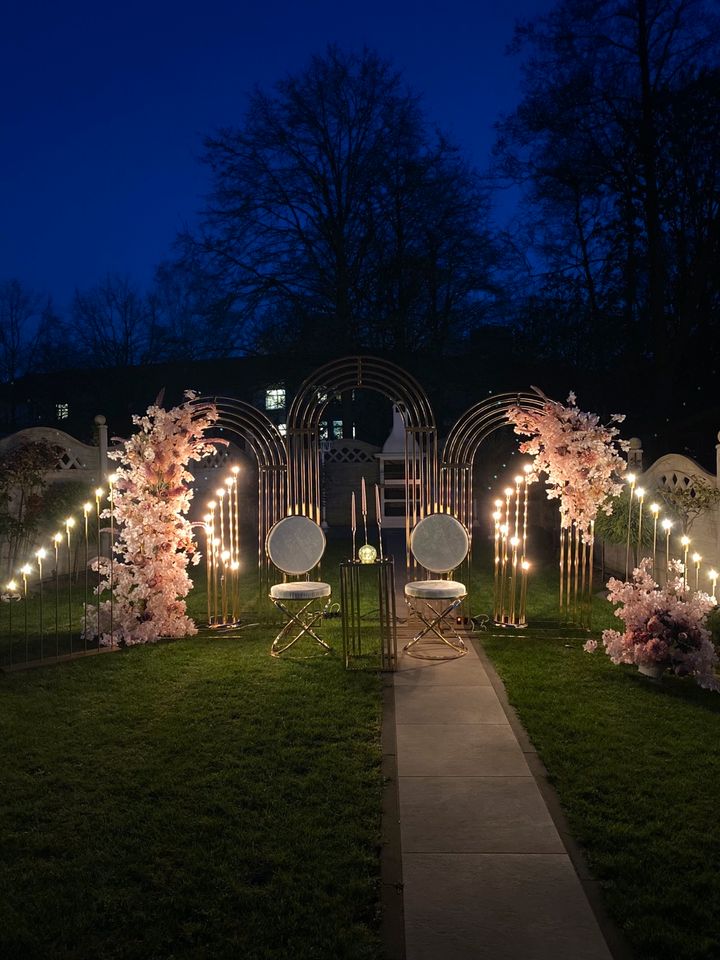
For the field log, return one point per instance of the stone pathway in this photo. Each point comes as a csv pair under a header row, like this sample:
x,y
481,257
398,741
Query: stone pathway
x,y
485,871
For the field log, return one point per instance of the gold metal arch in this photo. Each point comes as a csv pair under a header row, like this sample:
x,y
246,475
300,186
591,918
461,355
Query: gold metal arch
x,y
462,443
264,439
303,433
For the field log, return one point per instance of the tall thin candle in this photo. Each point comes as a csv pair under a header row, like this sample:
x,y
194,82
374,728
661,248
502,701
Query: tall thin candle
x,y
353,521
378,516
363,506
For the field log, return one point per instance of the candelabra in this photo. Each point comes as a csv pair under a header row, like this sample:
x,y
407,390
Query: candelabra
x,y
69,524
511,566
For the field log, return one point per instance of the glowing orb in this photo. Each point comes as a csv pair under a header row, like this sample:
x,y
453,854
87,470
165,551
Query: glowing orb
x,y
367,553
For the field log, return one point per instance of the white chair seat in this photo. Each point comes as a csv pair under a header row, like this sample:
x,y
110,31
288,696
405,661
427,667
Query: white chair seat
x,y
299,590
435,589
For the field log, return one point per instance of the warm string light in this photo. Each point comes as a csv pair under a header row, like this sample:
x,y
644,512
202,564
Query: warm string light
x,y
99,492
11,588
225,558
212,577
667,527
655,511
25,572
497,518
697,559
57,540
713,575
523,591
112,480
510,523
685,541
208,537
69,524
87,507
631,480
231,545
640,494
235,562
40,556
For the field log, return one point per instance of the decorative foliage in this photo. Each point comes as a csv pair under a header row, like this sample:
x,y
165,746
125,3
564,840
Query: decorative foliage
x,y
688,502
663,627
23,469
612,526
151,499
579,455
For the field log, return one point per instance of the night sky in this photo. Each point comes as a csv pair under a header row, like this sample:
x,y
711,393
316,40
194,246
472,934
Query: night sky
x,y
104,108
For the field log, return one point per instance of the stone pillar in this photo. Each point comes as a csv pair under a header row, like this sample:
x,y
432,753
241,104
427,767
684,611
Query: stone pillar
x,y
635,455
101,432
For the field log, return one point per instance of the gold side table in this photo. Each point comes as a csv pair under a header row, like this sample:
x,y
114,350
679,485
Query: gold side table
x,y
359,649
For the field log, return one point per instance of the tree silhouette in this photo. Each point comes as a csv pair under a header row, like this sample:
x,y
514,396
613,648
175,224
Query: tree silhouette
x,y
337,220
616,145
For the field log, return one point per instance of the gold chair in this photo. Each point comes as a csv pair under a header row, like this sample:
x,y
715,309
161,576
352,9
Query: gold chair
x,y
295,545
439,543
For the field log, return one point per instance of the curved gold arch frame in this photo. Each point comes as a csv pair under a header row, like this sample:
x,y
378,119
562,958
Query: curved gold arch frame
x,y
462,444
289,468
303,433
268,445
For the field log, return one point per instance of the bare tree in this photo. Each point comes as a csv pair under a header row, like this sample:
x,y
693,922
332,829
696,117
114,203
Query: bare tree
x,y
18,309
114,325
338,219
616,145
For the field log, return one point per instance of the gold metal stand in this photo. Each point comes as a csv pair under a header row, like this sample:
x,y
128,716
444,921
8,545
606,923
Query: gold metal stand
x,y
352,627
304,619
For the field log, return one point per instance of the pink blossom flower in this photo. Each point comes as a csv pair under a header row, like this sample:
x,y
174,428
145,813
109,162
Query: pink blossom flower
x,y
663,627
579,455
152,497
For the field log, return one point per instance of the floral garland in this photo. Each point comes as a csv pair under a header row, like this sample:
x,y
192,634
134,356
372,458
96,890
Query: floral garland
x,y
579,454
664,628
151,499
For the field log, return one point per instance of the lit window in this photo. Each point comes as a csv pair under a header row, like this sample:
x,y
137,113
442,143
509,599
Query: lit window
x,y
275,398
282,429
323,430
353,431
62,411
337,429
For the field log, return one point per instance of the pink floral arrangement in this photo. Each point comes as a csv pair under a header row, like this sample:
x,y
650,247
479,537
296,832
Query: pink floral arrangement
x,y
580,456
151,499
663,627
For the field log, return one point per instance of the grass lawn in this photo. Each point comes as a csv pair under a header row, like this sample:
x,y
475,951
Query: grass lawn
x,y
637,768
195,799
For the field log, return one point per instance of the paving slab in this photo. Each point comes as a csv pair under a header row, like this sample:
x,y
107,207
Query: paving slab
x,y
475,815
449,750
443,674
497,907
459,703
485,871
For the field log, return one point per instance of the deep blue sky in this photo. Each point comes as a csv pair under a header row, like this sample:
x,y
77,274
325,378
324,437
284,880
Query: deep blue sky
x,y
104,107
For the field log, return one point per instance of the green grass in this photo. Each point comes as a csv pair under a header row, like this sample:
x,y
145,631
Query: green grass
x,y
201,800
637,768
50,611
196,799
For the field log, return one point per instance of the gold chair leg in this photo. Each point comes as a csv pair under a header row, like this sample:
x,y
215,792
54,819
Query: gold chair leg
x,y
295,619
435,626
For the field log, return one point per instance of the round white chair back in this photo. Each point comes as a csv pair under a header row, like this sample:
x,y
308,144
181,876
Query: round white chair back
x,y
439,542
295,544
